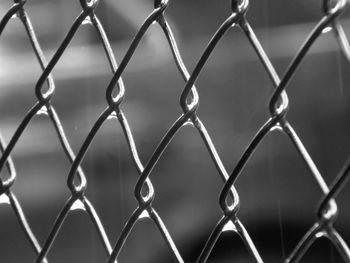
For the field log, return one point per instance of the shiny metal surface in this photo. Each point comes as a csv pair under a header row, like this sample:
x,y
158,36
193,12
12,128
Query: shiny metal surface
x,y
145,192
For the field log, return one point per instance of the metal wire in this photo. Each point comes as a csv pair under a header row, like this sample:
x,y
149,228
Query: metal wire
x,y
189,102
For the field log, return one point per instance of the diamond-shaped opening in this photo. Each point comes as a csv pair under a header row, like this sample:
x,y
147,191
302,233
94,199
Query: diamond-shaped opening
x,y
229,248
151,102
273,186
52,20
318,107
82,75
122,19
322,250
233,104
187,185
145,244
276,238
77,240
111,176
42,169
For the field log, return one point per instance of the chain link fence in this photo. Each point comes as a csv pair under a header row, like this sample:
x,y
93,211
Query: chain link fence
x,y
144,191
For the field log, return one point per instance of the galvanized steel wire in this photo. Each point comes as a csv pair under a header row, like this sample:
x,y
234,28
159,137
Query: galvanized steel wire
x,y
189,102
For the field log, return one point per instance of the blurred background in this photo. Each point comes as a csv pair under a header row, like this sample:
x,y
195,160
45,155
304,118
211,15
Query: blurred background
x,y
278,194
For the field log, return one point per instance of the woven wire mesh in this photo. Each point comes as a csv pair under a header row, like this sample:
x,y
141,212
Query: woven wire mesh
x,y
144,192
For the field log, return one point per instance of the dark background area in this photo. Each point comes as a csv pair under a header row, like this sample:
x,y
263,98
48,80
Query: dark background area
x,y
278,194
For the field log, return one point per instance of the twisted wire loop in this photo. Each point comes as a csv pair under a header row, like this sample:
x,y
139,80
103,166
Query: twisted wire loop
x,y
43,105
189,103
76,173
6,194
189,117
278,107
9,198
